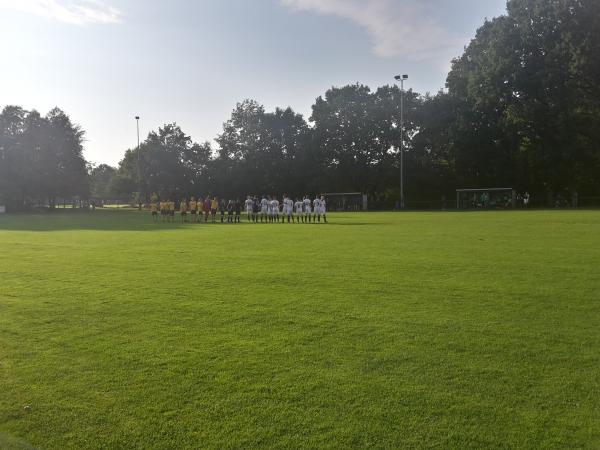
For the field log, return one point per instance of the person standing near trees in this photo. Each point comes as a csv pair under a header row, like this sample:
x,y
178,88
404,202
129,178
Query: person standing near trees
x,y
249,207
154,210
230,208
193,206
207,204
238,210
172,211
214,205
183,210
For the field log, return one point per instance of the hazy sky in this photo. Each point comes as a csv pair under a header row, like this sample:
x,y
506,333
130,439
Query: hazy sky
x,y
190,61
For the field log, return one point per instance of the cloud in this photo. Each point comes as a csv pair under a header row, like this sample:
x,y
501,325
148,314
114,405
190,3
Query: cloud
x,y
405,28
74,12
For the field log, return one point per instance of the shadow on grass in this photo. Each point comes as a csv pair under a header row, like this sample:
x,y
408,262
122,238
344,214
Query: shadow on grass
x,y
99,220
132,220
129,220
10,443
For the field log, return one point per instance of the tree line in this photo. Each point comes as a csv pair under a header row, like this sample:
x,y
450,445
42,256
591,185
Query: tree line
x,y
521,109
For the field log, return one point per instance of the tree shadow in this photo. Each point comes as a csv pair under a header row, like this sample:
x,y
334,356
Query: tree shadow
x,y
98,220
126,220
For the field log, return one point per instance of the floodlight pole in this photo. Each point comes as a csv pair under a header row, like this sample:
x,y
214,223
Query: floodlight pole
x,y
139,179
401,78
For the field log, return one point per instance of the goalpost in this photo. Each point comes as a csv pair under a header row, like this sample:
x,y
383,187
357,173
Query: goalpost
x,y
491,198
346,201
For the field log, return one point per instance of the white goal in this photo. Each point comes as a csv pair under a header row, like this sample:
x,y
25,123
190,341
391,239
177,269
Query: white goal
x,y
346,201
490,198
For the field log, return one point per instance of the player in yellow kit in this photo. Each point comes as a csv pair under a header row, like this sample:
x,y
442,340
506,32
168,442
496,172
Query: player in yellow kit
x,y
163,210
172,211
214,205
154,210
193,206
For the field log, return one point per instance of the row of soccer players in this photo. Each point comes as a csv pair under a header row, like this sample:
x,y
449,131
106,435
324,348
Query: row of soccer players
x,y
268,209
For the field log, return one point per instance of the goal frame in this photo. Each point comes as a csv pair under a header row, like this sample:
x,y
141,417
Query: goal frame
x,y
477,192
338,201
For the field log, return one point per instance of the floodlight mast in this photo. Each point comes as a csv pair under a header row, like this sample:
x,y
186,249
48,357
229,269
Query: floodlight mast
x,y
401,79
139,179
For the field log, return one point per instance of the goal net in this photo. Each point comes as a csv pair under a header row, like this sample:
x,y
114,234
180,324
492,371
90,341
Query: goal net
x,y
346,201
491,198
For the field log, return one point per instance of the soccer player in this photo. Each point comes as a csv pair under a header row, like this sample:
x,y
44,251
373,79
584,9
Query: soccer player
x,y
183,210
284,208
324,208
270,208
161,208
193,210
214,205
264,209
298,205
237,205
316,209
249,206
255,209
307,209
288,209
274,209
222,208
154,210
172,211
207,204
230,209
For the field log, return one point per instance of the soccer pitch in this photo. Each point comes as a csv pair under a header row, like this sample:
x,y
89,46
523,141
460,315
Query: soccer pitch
x,y
382,330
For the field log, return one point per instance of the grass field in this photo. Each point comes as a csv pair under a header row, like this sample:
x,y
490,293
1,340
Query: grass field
x,y
414,330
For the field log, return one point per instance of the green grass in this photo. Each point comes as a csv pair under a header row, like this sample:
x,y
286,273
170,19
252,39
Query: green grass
x,y
416,330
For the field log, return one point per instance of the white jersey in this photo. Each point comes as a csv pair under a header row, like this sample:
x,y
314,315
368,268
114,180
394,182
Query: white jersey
x,y
275,206
288,206
249,204
264,203
323,206
298,206
307,204
317,205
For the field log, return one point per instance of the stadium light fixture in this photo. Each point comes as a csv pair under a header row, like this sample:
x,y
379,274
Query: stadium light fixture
x,y
401,79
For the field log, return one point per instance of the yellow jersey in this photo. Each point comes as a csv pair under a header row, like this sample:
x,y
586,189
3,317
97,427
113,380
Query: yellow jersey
x,y
172,206
183,207
192,206
214,204
153,207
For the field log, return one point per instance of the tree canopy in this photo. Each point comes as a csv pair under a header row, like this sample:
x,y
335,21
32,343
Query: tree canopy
x,y
41,158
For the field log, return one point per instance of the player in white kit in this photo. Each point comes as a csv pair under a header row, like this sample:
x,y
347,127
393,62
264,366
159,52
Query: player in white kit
x,y
264,209
288,207
290,211
307,209
323,209
274,210
316,209
249,203
298,207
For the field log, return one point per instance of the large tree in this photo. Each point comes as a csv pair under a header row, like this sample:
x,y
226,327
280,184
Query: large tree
x,y
358,134
167,163
41,158
527,98
262,152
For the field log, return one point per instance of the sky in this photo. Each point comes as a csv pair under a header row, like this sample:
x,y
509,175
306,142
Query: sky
x,y
190,61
